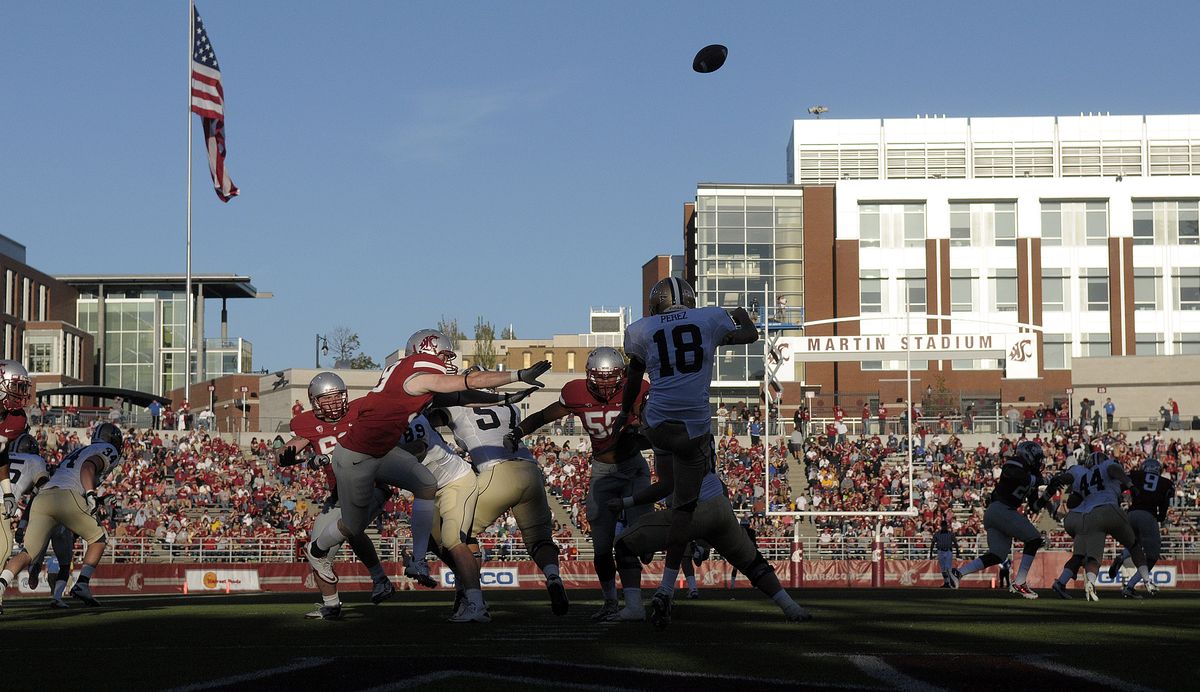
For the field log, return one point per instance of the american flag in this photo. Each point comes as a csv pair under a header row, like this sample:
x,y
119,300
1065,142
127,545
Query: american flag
x,y
208,101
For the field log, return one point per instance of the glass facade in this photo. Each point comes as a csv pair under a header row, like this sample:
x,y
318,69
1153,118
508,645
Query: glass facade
x,y
749,249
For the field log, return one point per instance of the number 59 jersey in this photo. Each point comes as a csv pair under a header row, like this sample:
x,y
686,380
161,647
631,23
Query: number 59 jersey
x,y
678,349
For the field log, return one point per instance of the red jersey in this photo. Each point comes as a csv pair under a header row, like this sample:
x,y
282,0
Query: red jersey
x,y
323,435
597,414
386,409
13,424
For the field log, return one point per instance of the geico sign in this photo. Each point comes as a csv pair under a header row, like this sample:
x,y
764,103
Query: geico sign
x,y
1162,576
504,577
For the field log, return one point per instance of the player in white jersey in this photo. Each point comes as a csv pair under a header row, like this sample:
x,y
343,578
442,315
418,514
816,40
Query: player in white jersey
x,y
1099,482
455,503
69,498
509,479
676,345
26,473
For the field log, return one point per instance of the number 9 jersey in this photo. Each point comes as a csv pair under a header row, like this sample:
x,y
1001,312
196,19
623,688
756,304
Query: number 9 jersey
x,y
679,348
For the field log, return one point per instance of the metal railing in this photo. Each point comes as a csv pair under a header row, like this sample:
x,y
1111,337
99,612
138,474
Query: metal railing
x,y
393,549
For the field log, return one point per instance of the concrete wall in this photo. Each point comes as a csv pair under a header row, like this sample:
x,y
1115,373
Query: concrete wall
x,y
1138,385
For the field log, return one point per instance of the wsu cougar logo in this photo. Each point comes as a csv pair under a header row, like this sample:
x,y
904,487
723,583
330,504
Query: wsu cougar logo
x,y
134,583
428,345
1021,351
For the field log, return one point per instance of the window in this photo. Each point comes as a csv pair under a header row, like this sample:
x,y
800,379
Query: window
x,y
914,289
570,361
914,225
1094,291
1147,288
985,224
1055,296
8,292
1187,343
1005,224
1187,289
962,290
39,354
1166,222
1143,223
1056,351
1004,290
960,225
870,292
1149,344
1096,345
1074,223
526,359
891,225
868,225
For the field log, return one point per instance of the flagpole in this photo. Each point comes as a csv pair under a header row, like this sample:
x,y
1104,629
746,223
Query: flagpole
x,y
187,358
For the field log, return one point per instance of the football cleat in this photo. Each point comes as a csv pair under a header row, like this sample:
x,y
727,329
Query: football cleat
x,y
418,570
797,614
325,612
1022,590
1089,590
1114,569
382,590
628,614
471,613
460,599
1127,592
955,578
1061,589
693,594
609,608
660,611
84,593
323,566
35,575
1151,588
58,603
558,595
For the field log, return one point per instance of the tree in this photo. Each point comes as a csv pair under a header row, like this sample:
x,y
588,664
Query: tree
x,y
363,362
508,333
449,327
343,343
485,344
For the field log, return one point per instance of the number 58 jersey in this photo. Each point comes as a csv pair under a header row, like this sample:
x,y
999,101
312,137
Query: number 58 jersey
x,y
679,348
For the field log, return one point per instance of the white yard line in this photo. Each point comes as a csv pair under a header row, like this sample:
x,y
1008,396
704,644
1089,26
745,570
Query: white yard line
x,y
1083,674
430,678
881,671
301,664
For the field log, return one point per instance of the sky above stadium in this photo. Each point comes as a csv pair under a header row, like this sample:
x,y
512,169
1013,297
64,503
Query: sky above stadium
x,y
403,161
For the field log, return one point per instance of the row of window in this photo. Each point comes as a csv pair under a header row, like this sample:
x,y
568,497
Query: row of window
x,y
994,224
25,298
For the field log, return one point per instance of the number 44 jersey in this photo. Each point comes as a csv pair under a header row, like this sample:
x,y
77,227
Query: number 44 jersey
x,y
678,348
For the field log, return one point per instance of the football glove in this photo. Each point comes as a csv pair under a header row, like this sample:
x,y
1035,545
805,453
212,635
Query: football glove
x,y
288,456
511,442
10,505
530,375
619,423
514,397
92,502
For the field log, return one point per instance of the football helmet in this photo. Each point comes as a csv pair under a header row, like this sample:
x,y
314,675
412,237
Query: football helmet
x,y
1031,455
434,343
1094,459
605,372
671,294
1152,465
15,388
107,432
26,444
328,396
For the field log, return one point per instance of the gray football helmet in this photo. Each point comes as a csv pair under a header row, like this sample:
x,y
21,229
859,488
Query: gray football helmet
x,y
605,372
671,294
434,343
15,388
1152,465
328,396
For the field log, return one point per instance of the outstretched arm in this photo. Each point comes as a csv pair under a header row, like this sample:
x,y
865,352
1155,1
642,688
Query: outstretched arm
x,y
746,332
426,382
472,397
289,454
539,418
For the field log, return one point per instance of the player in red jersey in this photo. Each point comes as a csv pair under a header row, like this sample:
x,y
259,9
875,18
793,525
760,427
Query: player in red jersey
x,y
368,452
331,417
15,393
619,470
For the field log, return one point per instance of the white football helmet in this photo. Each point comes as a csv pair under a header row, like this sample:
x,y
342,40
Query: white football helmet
x,y
15,388
434,343
328,396
605,372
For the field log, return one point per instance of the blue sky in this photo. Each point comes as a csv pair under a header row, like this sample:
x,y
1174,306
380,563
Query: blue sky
x,y
400,161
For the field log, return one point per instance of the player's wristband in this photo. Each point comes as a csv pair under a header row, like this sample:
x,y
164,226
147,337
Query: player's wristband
x,y
627,502
5,485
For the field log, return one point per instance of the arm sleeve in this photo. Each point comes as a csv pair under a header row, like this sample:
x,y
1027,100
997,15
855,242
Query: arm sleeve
x,y
465,398
633,346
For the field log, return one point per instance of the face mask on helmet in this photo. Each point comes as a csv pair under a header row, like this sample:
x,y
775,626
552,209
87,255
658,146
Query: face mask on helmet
x,y
331,406
15,387
605,383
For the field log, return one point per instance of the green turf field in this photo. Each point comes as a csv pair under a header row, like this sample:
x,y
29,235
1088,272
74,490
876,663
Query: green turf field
x,y
918,639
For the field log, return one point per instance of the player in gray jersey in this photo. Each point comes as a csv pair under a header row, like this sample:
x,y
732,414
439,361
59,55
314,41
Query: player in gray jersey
x,y
69,498
1099,482
509,479
26,473
676,345
29,472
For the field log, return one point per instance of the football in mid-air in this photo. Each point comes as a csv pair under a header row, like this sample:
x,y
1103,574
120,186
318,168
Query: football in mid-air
x,y
710,58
